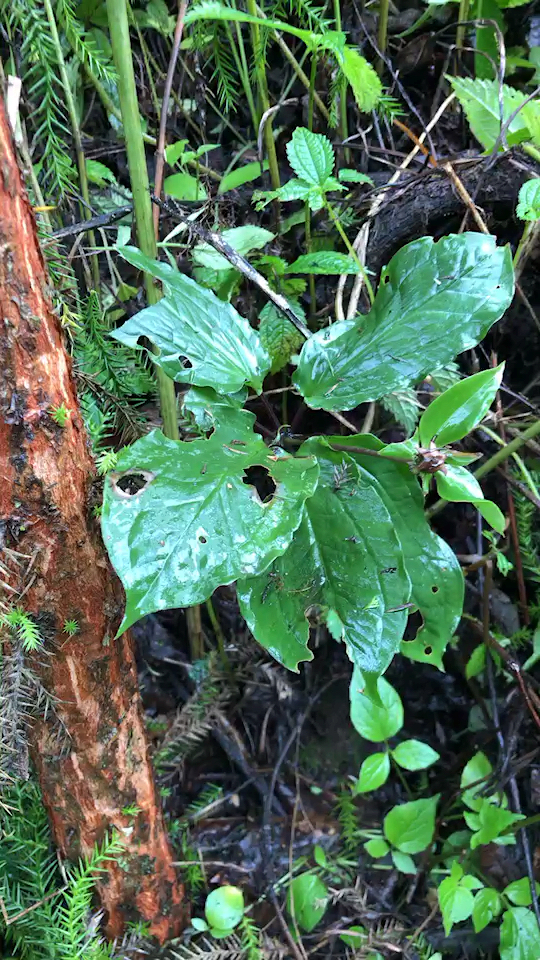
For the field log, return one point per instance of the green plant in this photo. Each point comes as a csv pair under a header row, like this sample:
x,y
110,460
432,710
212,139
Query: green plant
x,y
290,525
224,909
60,415
71,627
24,628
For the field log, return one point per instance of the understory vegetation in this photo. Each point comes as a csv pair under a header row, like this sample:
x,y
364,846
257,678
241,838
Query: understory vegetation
x,y
293,252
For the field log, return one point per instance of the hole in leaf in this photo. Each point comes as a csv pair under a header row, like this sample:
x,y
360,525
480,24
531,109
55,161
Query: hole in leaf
x,y
428,651
186,363
260,478
130,484
386,278
434,589
415,622
202,539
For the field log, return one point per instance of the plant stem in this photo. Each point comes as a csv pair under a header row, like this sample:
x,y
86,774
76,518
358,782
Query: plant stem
x,y
343,124
121,46
243,70
494,461
463,15
335,220
312,293
523,242
260,72
72,111
382,32
160,149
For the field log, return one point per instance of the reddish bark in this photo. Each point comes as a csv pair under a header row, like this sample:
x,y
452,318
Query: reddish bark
x,y
46,475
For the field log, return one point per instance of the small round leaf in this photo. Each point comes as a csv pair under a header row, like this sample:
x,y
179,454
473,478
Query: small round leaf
x,y
307,900
224,907
414,755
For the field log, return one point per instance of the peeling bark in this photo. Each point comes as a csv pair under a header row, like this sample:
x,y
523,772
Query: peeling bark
x,y
100,764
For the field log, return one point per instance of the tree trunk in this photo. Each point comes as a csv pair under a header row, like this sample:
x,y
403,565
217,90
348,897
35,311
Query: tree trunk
x,y
91,750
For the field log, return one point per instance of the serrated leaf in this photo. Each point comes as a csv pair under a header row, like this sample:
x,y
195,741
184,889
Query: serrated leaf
x,y
453,414
434,301
197,521
241,175
307,900
492,821
480,101
404,407
293,190
98,173
201,339
410,826
528,207
373,773
364,81
325,262
414,755
445,377
436,577
242,239
487,905
356,569
354,176
311,156
520,935
279,337
375,721
183,186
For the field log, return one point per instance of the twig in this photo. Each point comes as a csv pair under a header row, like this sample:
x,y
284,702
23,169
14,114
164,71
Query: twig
x,y
160,149
236,260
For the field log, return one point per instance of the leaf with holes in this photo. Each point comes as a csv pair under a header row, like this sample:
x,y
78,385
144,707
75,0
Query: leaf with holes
x,y
353,570
207,512
436,577
201,339
434,301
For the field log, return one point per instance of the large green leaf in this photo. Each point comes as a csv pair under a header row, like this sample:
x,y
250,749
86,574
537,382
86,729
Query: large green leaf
x,y
455,412
434,301
436,577
480,101
197,521
410,826
345,558
201,339
520,936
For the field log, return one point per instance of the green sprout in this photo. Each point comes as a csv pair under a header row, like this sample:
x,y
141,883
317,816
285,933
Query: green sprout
x,y
24,628
60,415
71,627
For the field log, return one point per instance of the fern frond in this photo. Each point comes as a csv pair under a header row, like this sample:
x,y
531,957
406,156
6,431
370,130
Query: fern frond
x,y
28,25
528,537
250,937
24,628
207,797
227,949
84,46
348,820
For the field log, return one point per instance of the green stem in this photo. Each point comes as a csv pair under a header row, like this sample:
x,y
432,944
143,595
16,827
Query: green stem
x,y
140,187
312,292
382,32
343,123
243,70
335,220
503,454
262,84
463,15
72,111
533,151
523,242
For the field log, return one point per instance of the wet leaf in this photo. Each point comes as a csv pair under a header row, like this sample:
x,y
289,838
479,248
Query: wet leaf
x,y
375,722
480,101
201,339
528,207
353,570
487,905
520,936
198,520
456,411
436,577
434,301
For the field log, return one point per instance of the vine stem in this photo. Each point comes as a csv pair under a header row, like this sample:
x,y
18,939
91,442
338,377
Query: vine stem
x,y
382,33
140,187
343,124
463,16
72,111
312,293
352,252
499,457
